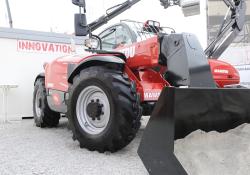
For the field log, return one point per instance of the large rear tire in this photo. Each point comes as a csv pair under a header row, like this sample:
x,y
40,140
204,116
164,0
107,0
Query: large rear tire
x,y
43,115
103,109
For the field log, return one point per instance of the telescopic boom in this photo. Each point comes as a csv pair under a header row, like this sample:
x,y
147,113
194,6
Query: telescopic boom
x,y
80,19
229,29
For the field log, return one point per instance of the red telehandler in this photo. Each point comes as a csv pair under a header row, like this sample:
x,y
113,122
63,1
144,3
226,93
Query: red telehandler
x,y
134,68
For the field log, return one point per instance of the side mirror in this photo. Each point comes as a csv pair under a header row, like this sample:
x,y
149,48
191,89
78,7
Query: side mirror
x,y
80,3
190,7
81,27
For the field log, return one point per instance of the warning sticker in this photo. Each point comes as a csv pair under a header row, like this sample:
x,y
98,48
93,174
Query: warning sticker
x,y
148,96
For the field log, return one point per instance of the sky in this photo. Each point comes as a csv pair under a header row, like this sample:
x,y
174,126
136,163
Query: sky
x,y
57,15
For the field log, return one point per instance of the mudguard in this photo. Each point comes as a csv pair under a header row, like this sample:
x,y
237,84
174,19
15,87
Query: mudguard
x,y
180,111
41,75
74,69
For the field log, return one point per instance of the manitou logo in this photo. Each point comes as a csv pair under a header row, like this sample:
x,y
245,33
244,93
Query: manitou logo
x,y
223,71
151,95
129,52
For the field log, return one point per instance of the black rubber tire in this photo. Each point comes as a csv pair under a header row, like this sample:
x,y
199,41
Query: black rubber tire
x,y
125,110
48,118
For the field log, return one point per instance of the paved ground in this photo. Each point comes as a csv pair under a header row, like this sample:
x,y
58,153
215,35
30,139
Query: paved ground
x,y
26,149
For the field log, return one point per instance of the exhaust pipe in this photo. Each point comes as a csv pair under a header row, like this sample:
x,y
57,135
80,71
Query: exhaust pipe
x,y
180,111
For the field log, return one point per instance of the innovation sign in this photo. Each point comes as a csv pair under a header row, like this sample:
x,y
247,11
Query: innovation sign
x,y
42,47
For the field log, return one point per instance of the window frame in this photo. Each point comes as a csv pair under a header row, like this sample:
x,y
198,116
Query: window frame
x,y
126,28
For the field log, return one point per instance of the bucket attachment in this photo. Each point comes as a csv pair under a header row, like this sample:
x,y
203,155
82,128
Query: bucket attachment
x,y
180,111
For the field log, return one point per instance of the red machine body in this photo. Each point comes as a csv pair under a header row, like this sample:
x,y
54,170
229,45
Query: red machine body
x,y
142,58
224,73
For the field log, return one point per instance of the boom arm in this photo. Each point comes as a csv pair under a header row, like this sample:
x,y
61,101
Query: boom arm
x,y
229,29
114,11
110,13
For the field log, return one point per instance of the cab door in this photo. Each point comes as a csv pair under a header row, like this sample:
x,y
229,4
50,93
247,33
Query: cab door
x,y
108,39
141,54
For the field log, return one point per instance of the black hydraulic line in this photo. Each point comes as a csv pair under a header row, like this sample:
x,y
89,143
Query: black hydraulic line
x,y
99,40
9,13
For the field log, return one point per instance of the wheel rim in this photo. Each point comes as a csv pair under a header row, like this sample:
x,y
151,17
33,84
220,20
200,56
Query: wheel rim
x,y
38,106
93,124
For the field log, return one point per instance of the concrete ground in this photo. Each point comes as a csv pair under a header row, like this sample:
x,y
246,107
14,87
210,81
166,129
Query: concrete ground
x,y
26,149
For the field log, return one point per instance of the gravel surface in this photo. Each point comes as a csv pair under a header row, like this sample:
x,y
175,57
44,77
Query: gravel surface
x,y
26,149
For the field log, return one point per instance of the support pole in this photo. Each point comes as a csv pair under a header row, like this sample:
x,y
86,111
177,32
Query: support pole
x,y
5,94
9,13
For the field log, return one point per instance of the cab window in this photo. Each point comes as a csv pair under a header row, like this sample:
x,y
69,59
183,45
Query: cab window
x,y
108,39
123,38
115,37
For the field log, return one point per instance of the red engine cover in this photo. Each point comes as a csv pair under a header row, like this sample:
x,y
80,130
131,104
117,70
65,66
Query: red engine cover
x,y
224,73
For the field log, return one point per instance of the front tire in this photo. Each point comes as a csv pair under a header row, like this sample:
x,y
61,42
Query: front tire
x,y
103,109
43,115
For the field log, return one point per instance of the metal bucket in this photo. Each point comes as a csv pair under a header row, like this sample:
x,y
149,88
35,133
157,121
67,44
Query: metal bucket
x,y
180,111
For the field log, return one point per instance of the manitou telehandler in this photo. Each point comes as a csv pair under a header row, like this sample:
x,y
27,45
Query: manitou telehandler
x,y
134,68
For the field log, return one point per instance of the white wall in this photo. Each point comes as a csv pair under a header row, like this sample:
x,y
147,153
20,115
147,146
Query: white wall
x,y
239,56
21,68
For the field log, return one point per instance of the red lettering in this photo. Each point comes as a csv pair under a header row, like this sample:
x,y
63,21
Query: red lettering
x,y
19,45
38,46
64,48
24,45
44,46
51,48
31,46
57,46
70,49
